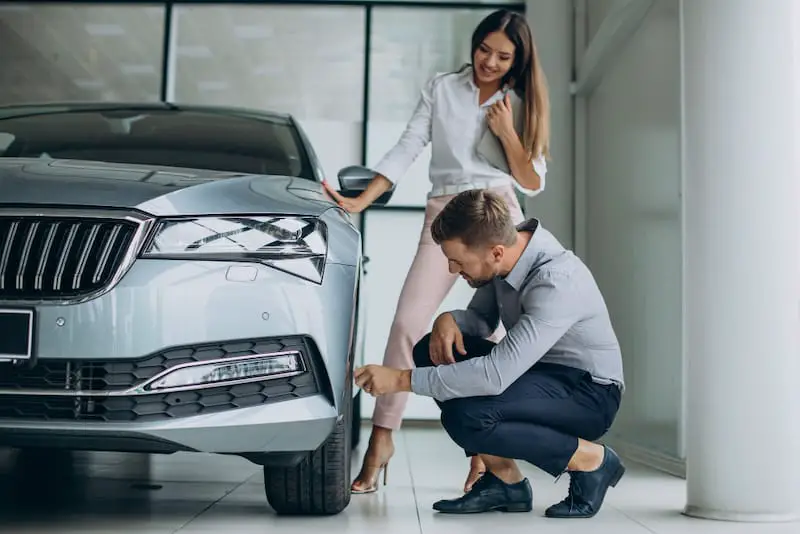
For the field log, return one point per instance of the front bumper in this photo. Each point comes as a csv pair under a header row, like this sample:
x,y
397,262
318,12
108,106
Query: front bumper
x,y
299,425
164,313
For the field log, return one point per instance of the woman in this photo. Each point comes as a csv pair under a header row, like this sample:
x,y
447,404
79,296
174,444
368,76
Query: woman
x,y
453,114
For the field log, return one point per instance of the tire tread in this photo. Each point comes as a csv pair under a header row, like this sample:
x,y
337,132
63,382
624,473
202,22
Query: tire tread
x,y
320,484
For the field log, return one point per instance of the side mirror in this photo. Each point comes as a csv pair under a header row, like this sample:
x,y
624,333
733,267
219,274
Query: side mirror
x,y
353,180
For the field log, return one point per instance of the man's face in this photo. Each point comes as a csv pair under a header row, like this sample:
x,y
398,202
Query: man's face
x,y
478,266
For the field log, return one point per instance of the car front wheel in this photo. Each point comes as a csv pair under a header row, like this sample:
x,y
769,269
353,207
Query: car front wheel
x,y
320,484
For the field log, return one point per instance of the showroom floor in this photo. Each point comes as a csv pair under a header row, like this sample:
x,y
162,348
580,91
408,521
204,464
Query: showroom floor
x,y
191,494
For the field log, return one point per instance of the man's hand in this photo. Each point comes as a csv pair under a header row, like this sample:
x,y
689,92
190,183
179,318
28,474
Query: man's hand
x,y
444,335
379,380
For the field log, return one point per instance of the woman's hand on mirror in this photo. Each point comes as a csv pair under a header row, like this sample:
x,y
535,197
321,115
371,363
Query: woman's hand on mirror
x,y
351,205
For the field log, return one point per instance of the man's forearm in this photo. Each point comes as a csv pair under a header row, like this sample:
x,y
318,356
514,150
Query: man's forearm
x,y
472,323
524,344
469,378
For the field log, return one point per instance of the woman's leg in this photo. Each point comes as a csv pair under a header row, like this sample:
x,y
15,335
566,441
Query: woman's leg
x,y
427,284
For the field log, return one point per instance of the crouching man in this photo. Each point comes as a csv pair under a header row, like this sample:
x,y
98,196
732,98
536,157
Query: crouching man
x,y
546,391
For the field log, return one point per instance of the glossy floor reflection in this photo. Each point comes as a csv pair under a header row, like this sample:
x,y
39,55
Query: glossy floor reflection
x,y
193,494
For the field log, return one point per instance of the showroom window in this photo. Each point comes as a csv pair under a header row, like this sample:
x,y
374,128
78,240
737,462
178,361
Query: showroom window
x,y
80,52
303,60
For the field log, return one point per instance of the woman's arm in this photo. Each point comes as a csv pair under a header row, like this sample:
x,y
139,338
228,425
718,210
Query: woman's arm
x,y
396,162
377,186
529,175
416,136
522,168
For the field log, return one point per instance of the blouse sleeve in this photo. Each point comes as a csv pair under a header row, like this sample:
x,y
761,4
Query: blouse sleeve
x,y
540,166
413,140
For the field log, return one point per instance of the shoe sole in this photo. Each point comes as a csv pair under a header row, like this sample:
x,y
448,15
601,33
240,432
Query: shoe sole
x,y
611,483
509,508
363,491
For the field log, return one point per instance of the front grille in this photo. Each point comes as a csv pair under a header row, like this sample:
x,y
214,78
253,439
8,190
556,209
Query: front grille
x,y
64,377
157,407
64,257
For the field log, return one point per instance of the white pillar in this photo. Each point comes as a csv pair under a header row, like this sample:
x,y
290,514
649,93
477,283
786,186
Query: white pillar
x,y
742,225
552,24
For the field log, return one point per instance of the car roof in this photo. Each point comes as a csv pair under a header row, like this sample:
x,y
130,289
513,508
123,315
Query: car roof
x,y
27,109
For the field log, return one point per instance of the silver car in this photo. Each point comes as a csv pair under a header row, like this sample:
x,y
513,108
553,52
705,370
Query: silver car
x,y
175,279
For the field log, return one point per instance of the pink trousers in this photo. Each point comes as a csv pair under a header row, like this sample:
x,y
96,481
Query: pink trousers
x,y
427,284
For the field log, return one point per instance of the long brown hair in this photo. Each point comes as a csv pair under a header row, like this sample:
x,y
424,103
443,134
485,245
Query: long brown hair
x,y
526,76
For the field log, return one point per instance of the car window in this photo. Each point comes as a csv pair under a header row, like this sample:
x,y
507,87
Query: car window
x,y
218,141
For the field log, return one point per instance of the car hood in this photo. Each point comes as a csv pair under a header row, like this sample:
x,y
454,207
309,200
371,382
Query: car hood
x,y
159,191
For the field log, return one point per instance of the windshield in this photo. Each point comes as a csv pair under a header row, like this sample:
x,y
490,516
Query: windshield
x,y
177,138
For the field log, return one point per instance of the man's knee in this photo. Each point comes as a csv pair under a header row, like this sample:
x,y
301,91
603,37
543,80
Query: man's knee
x,y
467,422
422,352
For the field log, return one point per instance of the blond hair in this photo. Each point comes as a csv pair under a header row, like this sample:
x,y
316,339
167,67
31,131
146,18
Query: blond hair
x,y
479,218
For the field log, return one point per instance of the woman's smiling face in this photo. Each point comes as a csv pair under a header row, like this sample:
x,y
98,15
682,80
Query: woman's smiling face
x,y
493,58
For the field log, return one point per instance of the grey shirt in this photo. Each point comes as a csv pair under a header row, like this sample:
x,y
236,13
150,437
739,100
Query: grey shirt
x,y
553,312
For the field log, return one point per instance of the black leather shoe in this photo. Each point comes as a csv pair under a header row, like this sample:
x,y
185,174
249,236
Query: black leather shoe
x,y
490,493
587,489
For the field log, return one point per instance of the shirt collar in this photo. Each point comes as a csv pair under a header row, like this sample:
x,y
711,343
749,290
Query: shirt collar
x,y
466,73
529,258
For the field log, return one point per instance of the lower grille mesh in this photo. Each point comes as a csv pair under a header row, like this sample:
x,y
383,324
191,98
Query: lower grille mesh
x,y
121,375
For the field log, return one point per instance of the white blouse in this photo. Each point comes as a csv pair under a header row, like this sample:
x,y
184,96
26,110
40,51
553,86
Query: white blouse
x,y
449,117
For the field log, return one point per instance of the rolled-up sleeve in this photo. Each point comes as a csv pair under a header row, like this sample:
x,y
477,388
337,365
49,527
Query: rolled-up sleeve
x,y
540,166
413,140
550,308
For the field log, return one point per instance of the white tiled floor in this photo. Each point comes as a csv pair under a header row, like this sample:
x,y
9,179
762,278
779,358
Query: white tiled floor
x,y
192,494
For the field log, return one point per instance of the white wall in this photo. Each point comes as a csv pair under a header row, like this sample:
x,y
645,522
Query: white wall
x,y
634,221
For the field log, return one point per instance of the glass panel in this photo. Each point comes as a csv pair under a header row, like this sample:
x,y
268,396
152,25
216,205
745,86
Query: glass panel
x,y
634,223
408,47
80,52
304,60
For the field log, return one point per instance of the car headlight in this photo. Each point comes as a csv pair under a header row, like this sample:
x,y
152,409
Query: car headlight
x,y
297,245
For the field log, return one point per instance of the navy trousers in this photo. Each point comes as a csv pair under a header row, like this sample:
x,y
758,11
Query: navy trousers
x,y
538,419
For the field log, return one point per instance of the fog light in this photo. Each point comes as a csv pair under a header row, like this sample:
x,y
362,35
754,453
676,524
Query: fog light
x,y
229,371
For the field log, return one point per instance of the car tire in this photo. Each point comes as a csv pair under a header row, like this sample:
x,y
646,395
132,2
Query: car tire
x,y
320,484
355,433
